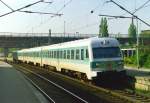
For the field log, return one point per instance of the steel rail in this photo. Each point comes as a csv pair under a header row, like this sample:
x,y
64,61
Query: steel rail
x,y
35,85
60,87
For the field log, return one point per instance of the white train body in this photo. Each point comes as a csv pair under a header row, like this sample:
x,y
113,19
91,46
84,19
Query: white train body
x,y
89,56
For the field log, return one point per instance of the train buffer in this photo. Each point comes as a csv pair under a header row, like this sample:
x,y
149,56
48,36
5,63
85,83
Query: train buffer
x,y
14,88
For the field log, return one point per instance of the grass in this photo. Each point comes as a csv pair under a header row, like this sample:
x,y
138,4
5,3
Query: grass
x,y
145,93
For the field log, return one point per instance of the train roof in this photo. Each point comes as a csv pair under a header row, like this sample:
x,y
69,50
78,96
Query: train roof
x,y
94,42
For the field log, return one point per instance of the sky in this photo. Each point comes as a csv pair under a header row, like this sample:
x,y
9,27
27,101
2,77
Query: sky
x,y
77,16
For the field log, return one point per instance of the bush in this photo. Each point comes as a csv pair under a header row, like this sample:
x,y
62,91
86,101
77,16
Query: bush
x,y
147,63
144,60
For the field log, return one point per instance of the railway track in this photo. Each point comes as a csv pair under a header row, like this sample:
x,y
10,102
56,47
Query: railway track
x,y
56,92
113,96
138,98
45,94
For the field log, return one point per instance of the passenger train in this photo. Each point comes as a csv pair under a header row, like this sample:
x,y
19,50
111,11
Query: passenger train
x,y
85,58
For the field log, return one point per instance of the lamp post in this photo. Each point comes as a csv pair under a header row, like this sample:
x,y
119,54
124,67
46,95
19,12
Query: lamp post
x,y
49,36
137,44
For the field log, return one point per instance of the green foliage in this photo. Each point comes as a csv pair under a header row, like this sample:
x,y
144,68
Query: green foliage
x,y
144,60
13,49
147,63
103,28
128,60
1,50
132,30
145,33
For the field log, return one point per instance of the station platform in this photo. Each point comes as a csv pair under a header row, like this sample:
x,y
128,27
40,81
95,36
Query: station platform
x,y
141,76
132,71
14,88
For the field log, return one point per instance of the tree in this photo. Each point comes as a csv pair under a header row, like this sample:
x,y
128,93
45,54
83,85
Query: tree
x,y
132,30
145,33
103,28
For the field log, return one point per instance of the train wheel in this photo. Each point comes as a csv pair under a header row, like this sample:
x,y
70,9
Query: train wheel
x,y
84,77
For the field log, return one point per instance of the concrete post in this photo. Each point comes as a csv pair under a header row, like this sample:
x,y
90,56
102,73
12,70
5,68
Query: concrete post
x,y
49,36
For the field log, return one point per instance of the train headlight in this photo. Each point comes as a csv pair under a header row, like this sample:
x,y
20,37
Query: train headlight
x,y
97,65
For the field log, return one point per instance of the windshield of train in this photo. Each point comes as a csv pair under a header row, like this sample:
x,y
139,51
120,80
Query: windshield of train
x,y
106,52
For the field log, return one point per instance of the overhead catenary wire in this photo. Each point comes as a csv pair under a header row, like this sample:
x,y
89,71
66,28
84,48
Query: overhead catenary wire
x,y
41,13
141,6
21,8
7,5
115,16
128,12
51,17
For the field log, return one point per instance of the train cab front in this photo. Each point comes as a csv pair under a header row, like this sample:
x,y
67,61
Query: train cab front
x,y
107,61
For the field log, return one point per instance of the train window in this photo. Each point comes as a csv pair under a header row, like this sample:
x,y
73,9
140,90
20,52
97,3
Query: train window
x,y
72,54
64,54
46,54
87,53
39,54
43,53
106,52
77,54
68,54
54,54
60,54
50,54
57,54
82,54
